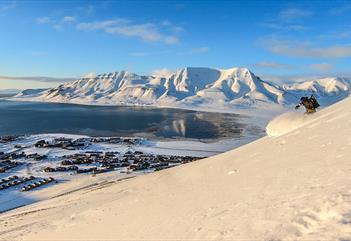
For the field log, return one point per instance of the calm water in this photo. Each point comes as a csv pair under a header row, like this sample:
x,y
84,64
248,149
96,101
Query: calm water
x,y
18,118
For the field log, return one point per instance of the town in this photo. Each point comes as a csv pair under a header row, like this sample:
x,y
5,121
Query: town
x,y
79,158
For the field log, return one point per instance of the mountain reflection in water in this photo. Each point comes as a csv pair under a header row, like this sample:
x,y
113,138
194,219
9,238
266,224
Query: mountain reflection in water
x,y
19,118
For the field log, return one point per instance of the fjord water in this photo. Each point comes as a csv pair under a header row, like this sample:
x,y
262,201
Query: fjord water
x,y
22,118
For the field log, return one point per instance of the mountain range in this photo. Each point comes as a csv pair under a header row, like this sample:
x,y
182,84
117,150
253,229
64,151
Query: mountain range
x,y
193,88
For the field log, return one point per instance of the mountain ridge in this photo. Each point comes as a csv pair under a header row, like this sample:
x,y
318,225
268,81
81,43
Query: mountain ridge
x,y
233,88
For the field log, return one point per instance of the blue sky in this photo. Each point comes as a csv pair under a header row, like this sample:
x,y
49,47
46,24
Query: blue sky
x,y
279,40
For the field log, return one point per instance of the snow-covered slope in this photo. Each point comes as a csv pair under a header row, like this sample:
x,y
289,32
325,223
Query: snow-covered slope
x,y
293,187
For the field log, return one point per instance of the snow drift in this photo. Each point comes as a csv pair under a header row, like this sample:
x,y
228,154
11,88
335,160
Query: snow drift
x,y
287,122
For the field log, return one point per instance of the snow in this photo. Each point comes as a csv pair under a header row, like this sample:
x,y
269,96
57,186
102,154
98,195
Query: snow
x,y
295,186
287,122
327,90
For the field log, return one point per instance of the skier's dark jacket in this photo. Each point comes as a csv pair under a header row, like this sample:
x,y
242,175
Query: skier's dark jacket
x,y
311,104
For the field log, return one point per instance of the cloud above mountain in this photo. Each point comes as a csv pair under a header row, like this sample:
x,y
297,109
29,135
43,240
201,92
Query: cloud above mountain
x,y
271,65
164,72
293,14
37,78
305,49
148,32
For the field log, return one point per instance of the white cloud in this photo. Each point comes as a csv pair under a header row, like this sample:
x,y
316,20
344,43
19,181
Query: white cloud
x,y
292,14
309,51
200,50
56,24
89,9
171,26
301,77
177,29
37,78
165,32
166,23
171,40
7,6
276,26
39,53
148,32
296,27
322,67
292,78
139,54
287,20
68,19
271,25
271,65
344,34
102,25
90,75
43,20
58,27
164,72
305,49
340,10
143,54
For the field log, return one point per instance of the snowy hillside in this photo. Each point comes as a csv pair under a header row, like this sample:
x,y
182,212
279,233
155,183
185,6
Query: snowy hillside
x,y
293,187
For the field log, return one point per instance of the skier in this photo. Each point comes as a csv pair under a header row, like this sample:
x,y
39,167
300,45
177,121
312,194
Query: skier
x,y
310,104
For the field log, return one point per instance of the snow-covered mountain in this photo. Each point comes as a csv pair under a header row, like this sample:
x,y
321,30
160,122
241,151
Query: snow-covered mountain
x,y
189,87
328,90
